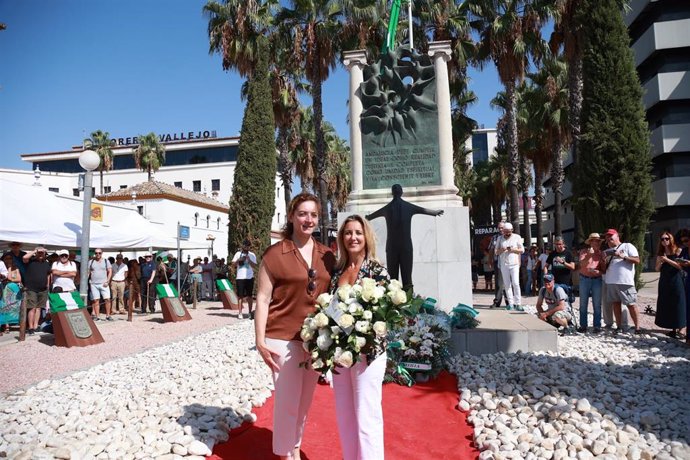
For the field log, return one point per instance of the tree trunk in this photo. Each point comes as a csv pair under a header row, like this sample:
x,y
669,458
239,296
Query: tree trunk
x,y
538,204
557,178
574,110
513,158
320,153
284,166
524,186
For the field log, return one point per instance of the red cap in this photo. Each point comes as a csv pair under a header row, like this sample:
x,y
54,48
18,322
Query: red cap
x,y
611,231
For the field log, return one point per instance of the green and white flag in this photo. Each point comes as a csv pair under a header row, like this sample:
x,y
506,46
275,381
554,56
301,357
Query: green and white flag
x,y
63,301
224,285
166,290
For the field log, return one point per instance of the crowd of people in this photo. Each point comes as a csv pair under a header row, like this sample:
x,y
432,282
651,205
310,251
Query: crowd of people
x,y
604,268
116,285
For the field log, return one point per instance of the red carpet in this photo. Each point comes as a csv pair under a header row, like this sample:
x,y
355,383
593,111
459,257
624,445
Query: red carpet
x,y
421,422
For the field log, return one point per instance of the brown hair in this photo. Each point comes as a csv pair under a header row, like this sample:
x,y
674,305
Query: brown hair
x,y
294,204
369,240
673,248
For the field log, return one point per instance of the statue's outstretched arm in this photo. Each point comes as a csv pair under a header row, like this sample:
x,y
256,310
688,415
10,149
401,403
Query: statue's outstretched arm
x,y
429,212
381,212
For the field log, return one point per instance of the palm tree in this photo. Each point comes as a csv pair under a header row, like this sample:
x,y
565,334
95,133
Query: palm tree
x,y
552,81
302,149
314,29
149,155
364,25
509,34
338,169
233,30
102,144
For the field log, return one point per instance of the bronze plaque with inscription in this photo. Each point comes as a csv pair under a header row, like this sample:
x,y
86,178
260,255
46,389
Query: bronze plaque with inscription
x,y
399,121
78,324
177,306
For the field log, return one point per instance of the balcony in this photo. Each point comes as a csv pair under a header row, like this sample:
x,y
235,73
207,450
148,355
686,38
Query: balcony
x,y
661,36
670,139
672,191
667,86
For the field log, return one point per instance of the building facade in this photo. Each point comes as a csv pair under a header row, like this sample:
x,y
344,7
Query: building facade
x,y
192,188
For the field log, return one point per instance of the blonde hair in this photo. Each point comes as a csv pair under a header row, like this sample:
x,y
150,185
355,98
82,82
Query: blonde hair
x,y
369,241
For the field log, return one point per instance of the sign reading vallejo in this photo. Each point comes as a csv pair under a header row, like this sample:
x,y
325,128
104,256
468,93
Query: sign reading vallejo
x,y
181,136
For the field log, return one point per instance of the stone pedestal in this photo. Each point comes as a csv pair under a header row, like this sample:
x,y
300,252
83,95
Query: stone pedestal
x,y
442,257
174,310
75,328
229,299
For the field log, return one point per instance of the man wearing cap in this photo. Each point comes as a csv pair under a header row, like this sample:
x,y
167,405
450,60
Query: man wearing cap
x,y
591,268
64,272
499,293
36,281
100,272
620,277
117,284
245,264
148,284
509,248
555,299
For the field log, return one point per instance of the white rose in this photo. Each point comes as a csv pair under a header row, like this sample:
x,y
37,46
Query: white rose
x,y
320,320
368,293
324,299
344,359
306,334
410,352
336,330
355,307
398,297
362,326
368,283
337,353
346,321
367,315
428,343
356,290
414,340
380,328
314,354
379,291
344,292
323,341
360,342
395,285
318,364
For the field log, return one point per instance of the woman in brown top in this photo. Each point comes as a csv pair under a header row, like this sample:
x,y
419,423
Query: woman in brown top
x,y
293,273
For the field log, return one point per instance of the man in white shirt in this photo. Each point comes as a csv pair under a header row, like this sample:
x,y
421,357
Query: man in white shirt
x,y
64,272
509,248
245,262
621,259
117,284
493,260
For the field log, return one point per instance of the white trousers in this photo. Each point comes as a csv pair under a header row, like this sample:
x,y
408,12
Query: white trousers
x,y
358,408
511,283
294,389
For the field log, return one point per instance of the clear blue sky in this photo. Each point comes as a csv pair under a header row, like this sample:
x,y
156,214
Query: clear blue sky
x,y
128,67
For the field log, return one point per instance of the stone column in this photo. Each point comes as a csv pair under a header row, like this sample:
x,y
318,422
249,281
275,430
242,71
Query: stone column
x,y
355,62
440,52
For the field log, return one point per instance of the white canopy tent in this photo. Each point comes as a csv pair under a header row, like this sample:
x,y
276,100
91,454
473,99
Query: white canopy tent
x,y
34,215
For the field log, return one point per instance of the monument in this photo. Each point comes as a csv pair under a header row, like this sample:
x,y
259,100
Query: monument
x,y
72,324
400,133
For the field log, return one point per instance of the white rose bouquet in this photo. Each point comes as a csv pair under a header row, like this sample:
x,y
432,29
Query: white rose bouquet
x,y
353,323
422,346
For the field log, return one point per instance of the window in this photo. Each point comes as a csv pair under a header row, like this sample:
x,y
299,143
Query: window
x,y
75,191
123,187
196,185
278,217
54,189
218,223
140,210
107,189
208,221
196,219
178,184
277,192
215,185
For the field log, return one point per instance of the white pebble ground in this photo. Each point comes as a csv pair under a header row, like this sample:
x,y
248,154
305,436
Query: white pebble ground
x,y
601,396
173,401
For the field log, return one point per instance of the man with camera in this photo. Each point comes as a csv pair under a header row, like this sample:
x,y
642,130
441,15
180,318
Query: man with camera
x,y
245,264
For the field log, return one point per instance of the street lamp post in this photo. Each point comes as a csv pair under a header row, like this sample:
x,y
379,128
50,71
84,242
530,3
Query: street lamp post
x,y
89,160
212,238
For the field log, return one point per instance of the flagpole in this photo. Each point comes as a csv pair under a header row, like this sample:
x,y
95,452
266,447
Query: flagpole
x,y
409,21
